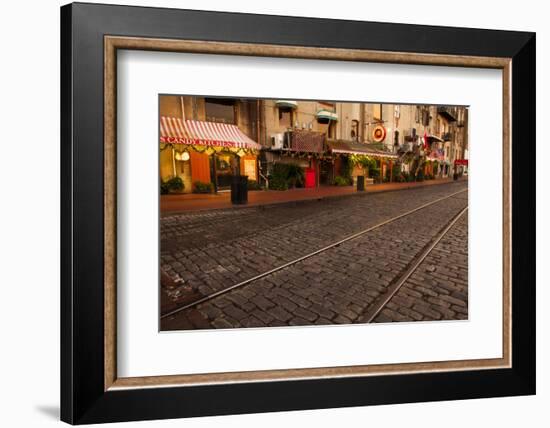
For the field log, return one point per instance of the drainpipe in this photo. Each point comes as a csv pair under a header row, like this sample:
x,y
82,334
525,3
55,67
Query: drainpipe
x,y
258,122
182,109
173,150
361,131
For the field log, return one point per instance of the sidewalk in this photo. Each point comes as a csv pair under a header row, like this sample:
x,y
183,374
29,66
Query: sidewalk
x,y
170,204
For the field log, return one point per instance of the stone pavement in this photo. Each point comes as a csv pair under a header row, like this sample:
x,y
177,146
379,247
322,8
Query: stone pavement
x,y
217,249
438,289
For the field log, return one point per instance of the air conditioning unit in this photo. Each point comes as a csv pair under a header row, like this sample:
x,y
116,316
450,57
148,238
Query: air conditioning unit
x,y
287,139
277,141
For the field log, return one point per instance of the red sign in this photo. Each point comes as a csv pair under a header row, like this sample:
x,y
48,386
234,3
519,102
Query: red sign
x,y
461,162
310,177
379,134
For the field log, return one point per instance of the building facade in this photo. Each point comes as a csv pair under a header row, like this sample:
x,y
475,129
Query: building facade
x,y
222,140
329,141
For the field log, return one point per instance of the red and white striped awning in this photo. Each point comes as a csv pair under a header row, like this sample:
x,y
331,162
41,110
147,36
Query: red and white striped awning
x,y
176,131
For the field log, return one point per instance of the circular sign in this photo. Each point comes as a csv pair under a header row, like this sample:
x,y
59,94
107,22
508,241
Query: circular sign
x,y
379,134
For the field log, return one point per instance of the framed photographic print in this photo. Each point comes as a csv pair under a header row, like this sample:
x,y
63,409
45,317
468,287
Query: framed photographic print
x,y
266,213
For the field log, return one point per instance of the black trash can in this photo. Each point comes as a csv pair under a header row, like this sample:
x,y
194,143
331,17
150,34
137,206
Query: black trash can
x,y
360,183
239,189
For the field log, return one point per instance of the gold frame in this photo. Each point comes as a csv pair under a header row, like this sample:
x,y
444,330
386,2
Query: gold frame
x,y
112,43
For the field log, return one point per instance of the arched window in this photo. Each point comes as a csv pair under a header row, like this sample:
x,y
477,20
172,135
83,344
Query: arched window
x,y
354,130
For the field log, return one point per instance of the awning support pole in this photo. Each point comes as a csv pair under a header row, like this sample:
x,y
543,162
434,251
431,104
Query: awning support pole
x,y
173,161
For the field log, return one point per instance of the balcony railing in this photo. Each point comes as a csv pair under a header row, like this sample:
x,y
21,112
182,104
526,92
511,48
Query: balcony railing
x,y
447,136
449,113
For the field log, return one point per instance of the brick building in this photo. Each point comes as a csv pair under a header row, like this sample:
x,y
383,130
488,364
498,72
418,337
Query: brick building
x,y
318,136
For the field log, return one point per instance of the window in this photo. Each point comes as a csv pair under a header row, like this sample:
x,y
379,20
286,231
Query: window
x,y
331,129
354,130
397,111
426,116
377,112
220,110
285,117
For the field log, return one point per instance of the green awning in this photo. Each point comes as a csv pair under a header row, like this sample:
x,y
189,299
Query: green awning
x,y
286,104
326,115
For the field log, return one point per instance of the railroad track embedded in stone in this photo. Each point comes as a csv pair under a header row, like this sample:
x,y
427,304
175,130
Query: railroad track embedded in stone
x,y
370,314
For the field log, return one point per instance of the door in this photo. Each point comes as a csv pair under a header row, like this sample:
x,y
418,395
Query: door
x,y
224,166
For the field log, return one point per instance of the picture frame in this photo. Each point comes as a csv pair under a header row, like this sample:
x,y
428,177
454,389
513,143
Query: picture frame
x,y
91,392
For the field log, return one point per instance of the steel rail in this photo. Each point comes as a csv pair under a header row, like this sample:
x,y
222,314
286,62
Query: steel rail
x,y
307,256
373,311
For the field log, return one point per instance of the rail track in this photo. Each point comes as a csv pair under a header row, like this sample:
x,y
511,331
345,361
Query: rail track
x,y
372,312
379,305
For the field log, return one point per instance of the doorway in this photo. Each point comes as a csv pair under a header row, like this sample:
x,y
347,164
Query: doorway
x,y
223,166
326,171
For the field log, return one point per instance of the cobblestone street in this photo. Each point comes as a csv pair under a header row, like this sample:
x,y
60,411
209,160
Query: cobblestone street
x,y
207,251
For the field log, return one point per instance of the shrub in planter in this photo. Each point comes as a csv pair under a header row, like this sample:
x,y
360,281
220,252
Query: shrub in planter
x,y
201,187
399,178
277,182
375,174
172,185
295,176
341,181
420,176
254,185
347,169
278,177
286,176
396,172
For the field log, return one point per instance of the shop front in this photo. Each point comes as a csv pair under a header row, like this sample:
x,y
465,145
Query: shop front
x,y
205,155
301,148
349,159
461,166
